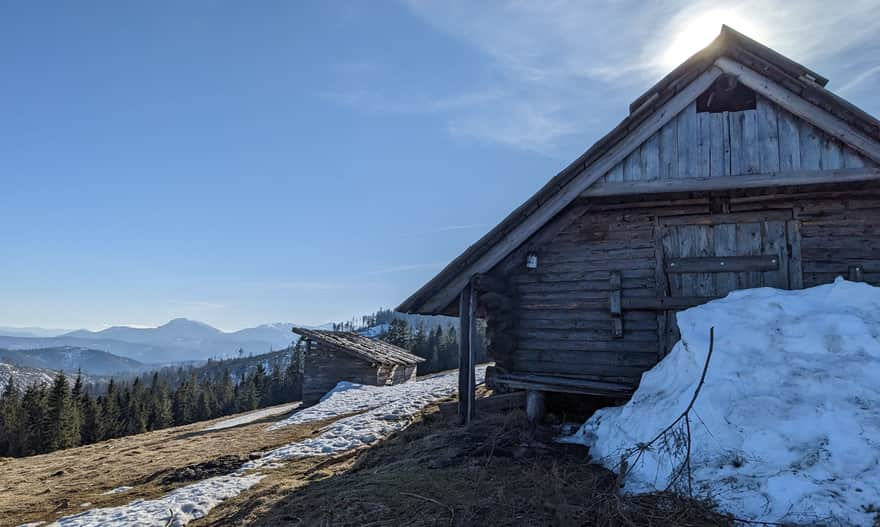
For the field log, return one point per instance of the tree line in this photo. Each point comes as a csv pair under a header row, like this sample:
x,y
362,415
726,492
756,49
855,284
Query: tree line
x,y
43,418
437,345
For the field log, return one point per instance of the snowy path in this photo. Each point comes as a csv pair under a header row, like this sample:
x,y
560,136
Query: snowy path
x,y
250,417
384,410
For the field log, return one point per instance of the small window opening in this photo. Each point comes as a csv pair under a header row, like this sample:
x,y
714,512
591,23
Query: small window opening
x,y
727,94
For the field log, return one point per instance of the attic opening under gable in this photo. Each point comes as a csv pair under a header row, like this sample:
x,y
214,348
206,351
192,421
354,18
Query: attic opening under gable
x,y
726,94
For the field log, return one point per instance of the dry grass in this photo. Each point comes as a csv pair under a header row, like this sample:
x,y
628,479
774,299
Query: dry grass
x,y
52,485
499,471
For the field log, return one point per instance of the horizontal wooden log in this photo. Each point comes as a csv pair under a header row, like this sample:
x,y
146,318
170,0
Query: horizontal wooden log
x,y
565,385
484,282
771,179
612,350
666,303
647,324
566,314
585,335
722,264
756,216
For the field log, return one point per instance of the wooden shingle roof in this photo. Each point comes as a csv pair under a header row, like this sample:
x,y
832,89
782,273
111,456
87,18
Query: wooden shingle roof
x,y
377,351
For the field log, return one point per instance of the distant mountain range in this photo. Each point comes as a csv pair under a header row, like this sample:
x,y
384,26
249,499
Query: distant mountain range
x,y
70,360
178,340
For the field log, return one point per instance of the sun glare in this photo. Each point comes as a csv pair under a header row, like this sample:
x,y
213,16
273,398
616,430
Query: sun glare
x,y
695,33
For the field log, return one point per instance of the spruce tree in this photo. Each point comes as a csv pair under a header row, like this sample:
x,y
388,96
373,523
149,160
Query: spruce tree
x,y
60,420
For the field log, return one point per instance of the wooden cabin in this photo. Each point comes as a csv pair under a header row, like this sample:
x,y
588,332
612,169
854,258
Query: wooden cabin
x,y
739,169
327,357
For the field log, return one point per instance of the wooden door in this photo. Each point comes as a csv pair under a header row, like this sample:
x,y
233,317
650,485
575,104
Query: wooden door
x,y
707,257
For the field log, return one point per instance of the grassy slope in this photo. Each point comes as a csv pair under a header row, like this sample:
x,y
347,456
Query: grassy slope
x,y
499,471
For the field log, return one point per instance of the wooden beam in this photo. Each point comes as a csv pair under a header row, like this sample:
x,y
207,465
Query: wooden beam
x,y
722,264
568,192
665,303
804,109
856,273
551,383
773,179
467,339
616,308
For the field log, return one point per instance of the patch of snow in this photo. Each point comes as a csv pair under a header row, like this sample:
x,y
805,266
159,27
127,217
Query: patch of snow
x,y
374,331
786,427
250,417
117,490
176,508
32,524
378,412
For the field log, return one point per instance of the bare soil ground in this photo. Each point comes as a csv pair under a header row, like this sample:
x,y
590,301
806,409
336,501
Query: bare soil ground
x,y
57,484
499,471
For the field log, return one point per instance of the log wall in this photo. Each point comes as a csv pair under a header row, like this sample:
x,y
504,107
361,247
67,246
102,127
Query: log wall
x,y
324,367
563,324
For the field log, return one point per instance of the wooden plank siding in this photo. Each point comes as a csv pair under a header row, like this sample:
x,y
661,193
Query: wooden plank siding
x,y
324,367
700,145
564,325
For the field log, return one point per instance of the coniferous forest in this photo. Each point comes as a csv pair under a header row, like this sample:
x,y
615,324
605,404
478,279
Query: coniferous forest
x,y
38,419
41,419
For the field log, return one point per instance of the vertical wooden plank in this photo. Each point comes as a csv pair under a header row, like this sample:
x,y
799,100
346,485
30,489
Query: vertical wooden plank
x,y
768,136
632,166
467,339
651,158
661,286
832,154
751,157
725,123
856,273
615,286
686,132
717,145
615,174
851,159
725,245
748,243
668,151
775,243
789,142
695,241
795,268
735,125
809,146
704,142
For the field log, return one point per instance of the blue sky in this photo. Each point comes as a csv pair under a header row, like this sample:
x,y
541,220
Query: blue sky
x,y
249,162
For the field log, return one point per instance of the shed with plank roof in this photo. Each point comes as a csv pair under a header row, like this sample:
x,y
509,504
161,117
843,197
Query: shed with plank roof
x,y
739,169
327,357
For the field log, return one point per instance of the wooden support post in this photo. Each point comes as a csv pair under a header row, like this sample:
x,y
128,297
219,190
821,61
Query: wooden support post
x,y
535,406
856,273
467,338
616,306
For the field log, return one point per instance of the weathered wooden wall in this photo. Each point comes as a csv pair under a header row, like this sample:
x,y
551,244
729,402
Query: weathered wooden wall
x,y
324,367
563,324
767,139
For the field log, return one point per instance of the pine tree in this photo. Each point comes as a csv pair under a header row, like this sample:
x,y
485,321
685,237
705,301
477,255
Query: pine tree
x,y
33,416
60,420
398,333
10,426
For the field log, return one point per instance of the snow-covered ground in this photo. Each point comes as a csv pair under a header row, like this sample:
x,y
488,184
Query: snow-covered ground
x,y
176,508
250,417
787,425
383,410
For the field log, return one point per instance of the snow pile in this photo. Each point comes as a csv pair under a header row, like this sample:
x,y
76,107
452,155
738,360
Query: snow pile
x,y
787,425
176,508
250,417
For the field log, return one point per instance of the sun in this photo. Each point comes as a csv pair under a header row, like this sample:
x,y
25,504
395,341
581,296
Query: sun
x,y
693,33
